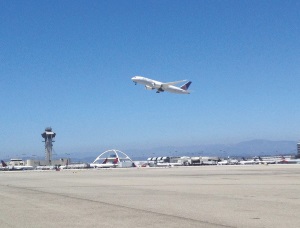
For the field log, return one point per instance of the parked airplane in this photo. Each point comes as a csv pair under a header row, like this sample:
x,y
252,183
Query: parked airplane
x,y
151,84
75,166
224,162
4,167
289,161
168,164
266,162
107,163
248,162
16,167
46,167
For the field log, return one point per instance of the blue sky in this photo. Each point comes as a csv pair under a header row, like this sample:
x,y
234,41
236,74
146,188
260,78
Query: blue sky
x,y
68,64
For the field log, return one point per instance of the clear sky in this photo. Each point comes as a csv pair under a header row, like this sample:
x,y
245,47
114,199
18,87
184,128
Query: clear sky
x,y
68,64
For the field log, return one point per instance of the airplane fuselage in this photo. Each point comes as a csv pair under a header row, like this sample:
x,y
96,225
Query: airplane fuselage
x,y
147,81
151,84
107,165
251,162
19,168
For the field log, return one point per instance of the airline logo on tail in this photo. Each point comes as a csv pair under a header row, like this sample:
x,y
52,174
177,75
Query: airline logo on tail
x,y
116,161
186,85
3,163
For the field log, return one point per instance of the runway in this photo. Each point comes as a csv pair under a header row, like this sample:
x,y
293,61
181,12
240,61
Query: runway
x,y
206,196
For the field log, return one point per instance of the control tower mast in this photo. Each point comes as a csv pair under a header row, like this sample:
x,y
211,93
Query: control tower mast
x,y
49,136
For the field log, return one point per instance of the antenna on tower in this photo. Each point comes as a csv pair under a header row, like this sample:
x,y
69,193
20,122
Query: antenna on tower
x,y
49,136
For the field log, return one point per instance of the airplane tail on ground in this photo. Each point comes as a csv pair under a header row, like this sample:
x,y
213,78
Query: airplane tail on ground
x,y
116,161
3,163
186,85
283,159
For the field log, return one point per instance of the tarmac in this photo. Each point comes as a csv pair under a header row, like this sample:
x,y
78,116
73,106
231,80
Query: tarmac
x,y
205,196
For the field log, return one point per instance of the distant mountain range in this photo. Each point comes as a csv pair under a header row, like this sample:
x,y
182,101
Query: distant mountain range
x,y
242,149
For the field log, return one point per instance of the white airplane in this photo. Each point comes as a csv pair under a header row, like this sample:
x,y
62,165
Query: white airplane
x,y
168,164
228,161
266,162
233,162
107,163
224,162
16,167
289,161
46,167
151,84
248,162
75,166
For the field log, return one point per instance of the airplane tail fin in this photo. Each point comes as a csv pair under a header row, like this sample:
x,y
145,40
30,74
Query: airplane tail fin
x,y
116,161
186,85
3,163
283,159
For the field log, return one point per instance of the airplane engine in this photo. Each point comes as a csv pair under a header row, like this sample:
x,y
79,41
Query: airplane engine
x,y
148,87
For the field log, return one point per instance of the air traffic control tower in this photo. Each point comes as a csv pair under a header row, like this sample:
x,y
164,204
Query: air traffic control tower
x,y
49,136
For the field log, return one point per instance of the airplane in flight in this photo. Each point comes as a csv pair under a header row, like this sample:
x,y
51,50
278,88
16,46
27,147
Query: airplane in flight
x,y
151,84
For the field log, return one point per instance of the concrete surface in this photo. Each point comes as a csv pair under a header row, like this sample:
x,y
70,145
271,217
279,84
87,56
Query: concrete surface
x,y
216,196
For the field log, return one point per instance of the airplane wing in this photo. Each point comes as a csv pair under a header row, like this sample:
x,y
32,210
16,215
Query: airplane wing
x,y
173,83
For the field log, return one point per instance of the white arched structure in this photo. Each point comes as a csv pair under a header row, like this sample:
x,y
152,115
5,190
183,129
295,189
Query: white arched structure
x,y
113,158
